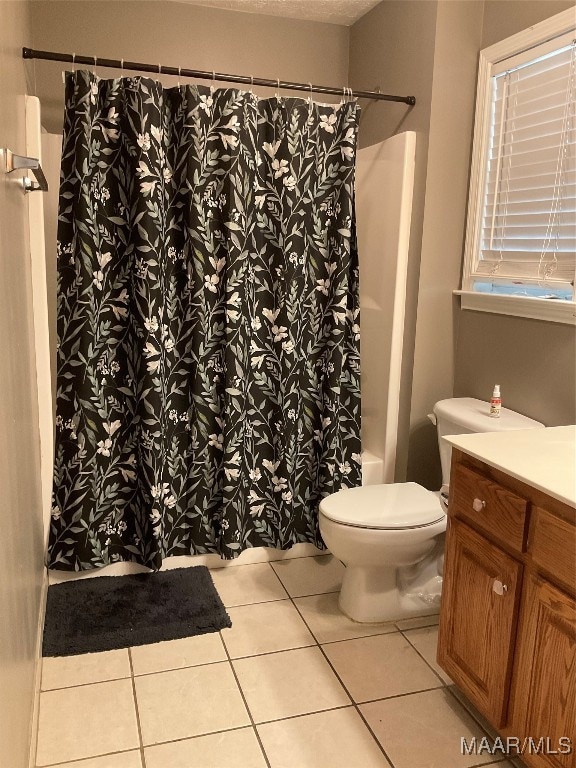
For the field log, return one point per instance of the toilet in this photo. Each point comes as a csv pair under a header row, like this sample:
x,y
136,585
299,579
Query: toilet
x,y
390,536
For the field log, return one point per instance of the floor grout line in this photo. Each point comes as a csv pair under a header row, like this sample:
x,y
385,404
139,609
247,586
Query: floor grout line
x,y
399,695
90,757
83,685
430,667
359,637
315,642
288,597
420,626
474,714
279,579
188,738
142,755
184,666
257,602
247,707
322,553
353,703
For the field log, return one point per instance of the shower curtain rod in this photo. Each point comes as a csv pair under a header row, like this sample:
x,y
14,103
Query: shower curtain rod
x,y
160,69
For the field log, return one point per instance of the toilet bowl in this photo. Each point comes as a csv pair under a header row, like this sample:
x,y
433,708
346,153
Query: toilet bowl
x,y
390,537
381,532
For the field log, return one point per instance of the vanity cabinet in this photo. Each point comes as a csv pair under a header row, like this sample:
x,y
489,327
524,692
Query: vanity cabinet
x,y
544,695
507,632
477,631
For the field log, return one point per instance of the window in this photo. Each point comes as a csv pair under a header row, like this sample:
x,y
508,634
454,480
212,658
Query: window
x,y
521,239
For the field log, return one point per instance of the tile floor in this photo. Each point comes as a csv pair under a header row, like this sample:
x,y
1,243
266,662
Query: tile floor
x,y
293,684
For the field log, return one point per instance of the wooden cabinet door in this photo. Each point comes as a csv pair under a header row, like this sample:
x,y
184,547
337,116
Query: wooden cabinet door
x,y
544,686
479,608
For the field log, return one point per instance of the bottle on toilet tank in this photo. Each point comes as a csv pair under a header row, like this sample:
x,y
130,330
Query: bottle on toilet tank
x,y
496,403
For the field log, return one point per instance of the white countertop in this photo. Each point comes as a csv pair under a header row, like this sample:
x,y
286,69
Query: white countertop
x,y
542,458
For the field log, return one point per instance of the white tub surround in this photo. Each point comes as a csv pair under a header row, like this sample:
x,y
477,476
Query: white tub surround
x,y
543,458
384,184
372,468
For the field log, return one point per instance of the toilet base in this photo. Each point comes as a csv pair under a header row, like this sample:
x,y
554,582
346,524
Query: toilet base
x,y
372,596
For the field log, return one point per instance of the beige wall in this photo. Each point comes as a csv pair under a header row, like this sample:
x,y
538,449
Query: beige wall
x,y
458,38
427,48
503,18
179,34
533,360
430,48
21,542
392,48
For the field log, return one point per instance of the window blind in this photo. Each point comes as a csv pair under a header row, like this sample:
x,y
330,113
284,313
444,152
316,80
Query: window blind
x,y
528,230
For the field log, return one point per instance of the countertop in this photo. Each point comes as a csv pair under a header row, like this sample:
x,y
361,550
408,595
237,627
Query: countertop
x,y
543,458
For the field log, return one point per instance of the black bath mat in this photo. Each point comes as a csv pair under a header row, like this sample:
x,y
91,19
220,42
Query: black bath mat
x,y
108,612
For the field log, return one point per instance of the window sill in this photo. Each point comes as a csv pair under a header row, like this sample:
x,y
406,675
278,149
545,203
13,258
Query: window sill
x,y
519,306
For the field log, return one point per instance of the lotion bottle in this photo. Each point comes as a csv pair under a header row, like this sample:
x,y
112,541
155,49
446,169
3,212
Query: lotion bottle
x,y
495,403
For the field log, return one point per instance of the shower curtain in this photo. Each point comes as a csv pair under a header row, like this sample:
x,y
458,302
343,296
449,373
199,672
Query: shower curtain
x,y
208,342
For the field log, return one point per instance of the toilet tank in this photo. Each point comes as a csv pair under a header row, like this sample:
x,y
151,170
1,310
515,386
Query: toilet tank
x,y
462,415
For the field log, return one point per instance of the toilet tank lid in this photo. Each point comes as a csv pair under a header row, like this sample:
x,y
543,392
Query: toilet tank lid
x,y
473,415
390,506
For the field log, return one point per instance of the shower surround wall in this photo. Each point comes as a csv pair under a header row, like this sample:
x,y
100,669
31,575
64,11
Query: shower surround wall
x,y
384,191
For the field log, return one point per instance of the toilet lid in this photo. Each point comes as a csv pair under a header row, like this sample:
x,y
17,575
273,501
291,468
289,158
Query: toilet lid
x,y
394,505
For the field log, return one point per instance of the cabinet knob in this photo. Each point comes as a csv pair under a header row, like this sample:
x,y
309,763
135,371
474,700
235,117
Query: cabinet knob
x,y
478,505
499,588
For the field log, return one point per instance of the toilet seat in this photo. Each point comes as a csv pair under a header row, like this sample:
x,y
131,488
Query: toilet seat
x,y
393,506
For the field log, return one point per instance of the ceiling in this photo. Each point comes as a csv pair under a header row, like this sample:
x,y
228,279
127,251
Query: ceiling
x,y
344,12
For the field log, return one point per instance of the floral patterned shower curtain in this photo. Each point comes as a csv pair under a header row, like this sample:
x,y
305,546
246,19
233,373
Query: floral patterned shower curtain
x,y
208,368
